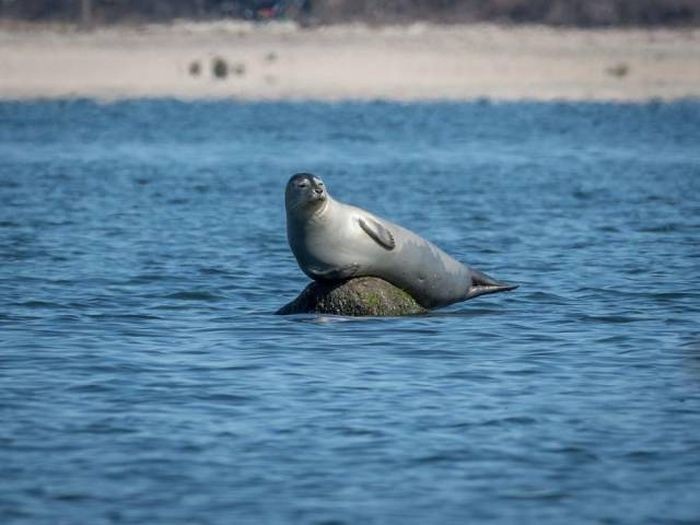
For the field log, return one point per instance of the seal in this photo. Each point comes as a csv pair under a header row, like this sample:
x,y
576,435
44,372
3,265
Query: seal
x,y
333,241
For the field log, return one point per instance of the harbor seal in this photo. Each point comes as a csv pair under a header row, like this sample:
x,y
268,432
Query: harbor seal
x,y
333,241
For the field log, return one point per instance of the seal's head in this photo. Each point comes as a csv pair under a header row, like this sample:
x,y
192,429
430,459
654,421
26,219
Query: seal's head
x,y
305,192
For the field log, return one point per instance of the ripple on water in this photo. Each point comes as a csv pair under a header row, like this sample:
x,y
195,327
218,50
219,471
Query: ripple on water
x,y
195,295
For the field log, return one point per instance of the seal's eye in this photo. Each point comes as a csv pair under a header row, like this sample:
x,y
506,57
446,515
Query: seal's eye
x,y
302,185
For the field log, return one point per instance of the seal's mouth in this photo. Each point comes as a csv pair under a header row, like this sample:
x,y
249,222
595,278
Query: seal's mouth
x,y
318,196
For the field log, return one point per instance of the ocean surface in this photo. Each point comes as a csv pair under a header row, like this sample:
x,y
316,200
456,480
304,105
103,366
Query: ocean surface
x,y
144,377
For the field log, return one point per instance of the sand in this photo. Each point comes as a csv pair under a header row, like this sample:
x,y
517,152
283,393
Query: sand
x,y
283,61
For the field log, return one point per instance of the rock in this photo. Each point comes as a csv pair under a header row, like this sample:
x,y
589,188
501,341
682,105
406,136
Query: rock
x,y
195,68
219,68
238,69
362,296
618,70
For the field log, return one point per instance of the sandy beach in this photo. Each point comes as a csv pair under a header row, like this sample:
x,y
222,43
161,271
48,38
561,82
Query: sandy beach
x,y
282,61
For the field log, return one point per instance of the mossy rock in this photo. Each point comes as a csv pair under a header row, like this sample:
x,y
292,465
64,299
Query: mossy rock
x,y
362,296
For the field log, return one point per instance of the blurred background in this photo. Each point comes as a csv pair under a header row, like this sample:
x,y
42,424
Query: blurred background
x,y
556,12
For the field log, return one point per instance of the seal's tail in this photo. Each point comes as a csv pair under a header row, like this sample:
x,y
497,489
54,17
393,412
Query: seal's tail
x,y
482,284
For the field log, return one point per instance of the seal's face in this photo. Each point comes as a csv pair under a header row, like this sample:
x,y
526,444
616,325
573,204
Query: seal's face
x,y
305,191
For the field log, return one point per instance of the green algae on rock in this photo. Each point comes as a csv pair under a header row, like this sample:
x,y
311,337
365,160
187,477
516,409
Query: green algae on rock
x,y
361,296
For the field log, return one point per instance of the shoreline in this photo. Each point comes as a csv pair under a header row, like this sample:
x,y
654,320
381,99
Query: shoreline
x,y
280,61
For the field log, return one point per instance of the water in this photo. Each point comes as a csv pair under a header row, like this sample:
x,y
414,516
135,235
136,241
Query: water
x,y
144,378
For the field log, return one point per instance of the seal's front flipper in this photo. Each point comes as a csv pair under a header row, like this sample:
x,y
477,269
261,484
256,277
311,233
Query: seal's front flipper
x,y
482,284
378,232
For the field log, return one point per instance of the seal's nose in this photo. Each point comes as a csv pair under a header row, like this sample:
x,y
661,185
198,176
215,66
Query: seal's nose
x,y
318,191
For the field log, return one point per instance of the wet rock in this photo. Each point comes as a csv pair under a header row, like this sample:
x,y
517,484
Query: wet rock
x,y
362,296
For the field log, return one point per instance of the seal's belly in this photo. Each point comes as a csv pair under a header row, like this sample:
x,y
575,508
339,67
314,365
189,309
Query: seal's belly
x,y
336,251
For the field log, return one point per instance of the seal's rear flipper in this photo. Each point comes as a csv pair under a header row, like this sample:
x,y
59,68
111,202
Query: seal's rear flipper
x,y
482,284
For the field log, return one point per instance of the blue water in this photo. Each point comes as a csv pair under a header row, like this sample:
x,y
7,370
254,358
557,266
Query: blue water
x,y
145,379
